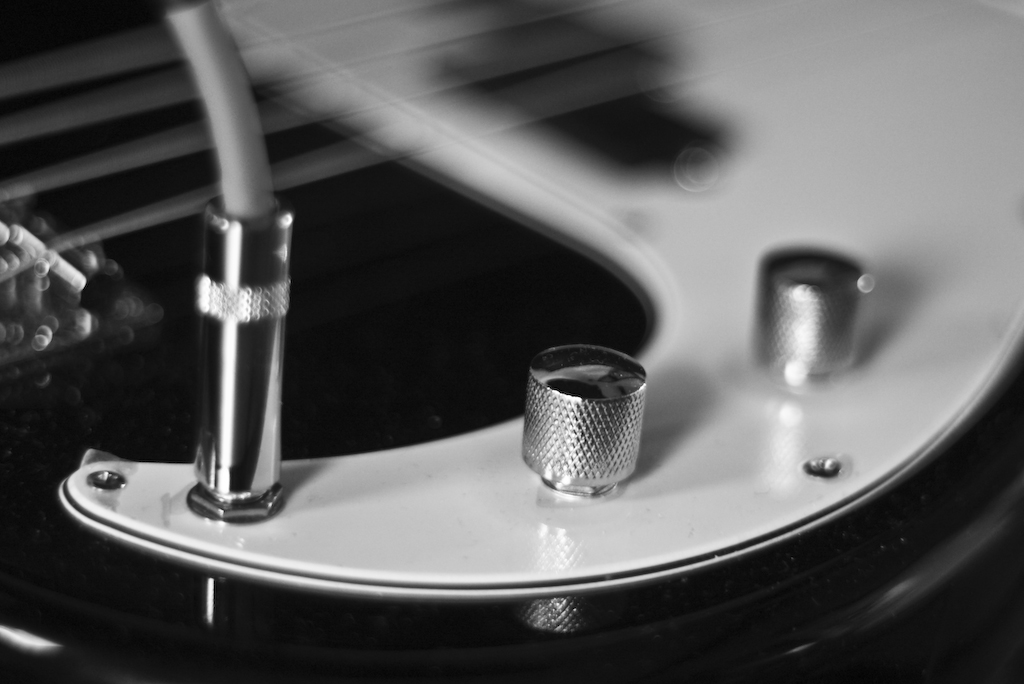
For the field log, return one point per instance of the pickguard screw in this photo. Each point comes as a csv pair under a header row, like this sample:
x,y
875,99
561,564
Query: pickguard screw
x,y
106,479
824,466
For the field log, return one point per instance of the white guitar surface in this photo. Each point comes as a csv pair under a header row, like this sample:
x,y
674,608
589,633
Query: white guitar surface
x,y
891,132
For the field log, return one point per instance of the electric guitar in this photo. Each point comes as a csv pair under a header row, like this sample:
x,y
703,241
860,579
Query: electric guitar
x,y
474,182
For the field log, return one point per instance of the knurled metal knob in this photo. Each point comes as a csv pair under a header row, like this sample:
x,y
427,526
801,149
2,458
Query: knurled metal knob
x,y
807,310
584,411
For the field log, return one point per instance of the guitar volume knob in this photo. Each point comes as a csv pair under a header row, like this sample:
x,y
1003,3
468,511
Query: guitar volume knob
x,y
807,308
584,412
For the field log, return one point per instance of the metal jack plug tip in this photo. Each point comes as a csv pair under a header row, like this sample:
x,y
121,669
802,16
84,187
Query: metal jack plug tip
x,y
242,297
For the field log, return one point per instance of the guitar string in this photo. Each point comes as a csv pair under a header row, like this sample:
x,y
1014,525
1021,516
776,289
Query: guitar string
x,y
134,50
135,96
334,160
151,149
326,162
91,60
150,46
547,97
115,55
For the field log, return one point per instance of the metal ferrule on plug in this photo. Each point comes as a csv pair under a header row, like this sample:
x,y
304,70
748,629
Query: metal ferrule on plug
x,y
243,298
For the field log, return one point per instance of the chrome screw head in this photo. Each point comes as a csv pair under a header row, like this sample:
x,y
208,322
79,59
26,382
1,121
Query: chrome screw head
x,y
825,467
106,479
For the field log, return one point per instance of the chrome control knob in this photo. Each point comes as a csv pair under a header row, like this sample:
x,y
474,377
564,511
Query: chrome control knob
x,y
807,309
584,410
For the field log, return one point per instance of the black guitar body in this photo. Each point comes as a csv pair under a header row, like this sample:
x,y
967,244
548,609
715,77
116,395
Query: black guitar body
x,y
924,583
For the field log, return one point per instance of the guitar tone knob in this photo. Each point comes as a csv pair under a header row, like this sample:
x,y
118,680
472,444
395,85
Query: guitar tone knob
x,y
584,411
807,311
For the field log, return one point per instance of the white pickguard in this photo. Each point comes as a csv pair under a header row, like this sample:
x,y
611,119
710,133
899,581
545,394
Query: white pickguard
x,y
891,132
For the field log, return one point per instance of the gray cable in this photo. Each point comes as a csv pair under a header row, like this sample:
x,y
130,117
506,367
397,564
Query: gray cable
x,y
247,189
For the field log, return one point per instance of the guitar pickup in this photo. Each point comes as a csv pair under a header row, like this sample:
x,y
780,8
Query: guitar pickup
x,y
593,86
